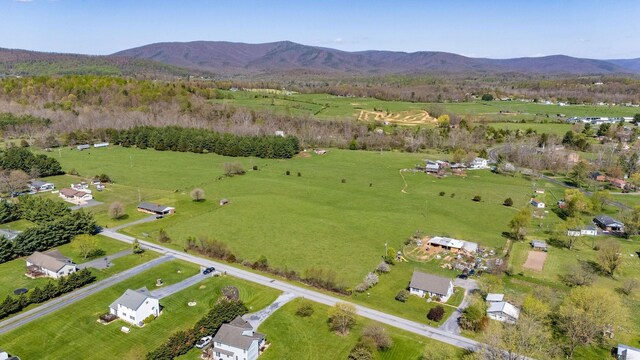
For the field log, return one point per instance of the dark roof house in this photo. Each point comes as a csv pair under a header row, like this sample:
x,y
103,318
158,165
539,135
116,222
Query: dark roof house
x,y
155,208
608,223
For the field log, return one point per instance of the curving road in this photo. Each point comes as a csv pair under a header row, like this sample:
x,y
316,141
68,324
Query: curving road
x,y
391,320
72,297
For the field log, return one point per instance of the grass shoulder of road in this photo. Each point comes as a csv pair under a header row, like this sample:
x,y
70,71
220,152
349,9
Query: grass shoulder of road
x,y
73,332
293,337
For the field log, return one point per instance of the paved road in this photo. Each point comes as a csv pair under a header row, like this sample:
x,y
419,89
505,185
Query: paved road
x,y
141,221
257,318
452,324
89,204
395,321
169,290
72,297
104,262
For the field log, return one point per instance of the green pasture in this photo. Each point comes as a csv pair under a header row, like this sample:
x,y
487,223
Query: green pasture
x,y
74,333
294,337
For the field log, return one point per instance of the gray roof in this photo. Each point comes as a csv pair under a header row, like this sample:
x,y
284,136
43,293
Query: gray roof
x,y
495,297
152,207
505,308
52,260
38,183
223,351
431,283
231,334
132,299
538,244
607,220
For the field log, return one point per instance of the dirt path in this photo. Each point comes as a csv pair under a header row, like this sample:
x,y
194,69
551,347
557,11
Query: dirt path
x,y
404,188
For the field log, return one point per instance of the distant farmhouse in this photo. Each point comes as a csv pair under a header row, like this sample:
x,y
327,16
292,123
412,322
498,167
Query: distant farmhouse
x,y
423,284
453,245
83,147
39,186
537,204
77,197
101,145
539,245
234,341
134,306
609,224
479,163
503,311
49,264
586,231
156,209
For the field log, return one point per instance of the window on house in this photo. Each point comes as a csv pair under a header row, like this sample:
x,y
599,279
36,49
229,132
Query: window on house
x,y
132,318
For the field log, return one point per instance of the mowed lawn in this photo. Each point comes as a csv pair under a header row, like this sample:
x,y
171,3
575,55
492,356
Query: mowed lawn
x,y
314,219
293,337
74,333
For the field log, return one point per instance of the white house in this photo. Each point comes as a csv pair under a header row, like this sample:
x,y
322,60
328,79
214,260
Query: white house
x,y
39,186
624,352
423,284
479,163
135,305
77,197
236,341
503,311
51,264
574,232
537,204
83,147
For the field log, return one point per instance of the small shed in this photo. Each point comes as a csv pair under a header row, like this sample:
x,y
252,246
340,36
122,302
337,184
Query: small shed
x,y
539,245
537,204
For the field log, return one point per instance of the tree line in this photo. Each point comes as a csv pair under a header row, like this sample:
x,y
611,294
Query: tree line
x,y
17,158
13,304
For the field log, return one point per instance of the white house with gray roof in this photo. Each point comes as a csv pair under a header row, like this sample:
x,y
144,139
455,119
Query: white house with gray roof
x,y
50,264
236,341
423,284
503,311
135,305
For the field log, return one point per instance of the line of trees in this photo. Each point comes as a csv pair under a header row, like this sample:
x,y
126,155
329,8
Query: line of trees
x,y
13,304
204,141
17,158
180,342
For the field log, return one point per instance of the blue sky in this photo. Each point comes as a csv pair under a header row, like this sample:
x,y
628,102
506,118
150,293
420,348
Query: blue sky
x,y
496,29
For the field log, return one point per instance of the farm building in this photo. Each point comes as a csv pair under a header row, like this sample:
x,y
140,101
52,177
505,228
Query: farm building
x,y
479,163
423,284
494,297
539,245
587,231
453,244
83,147
503,311
608,223
50,264
624,352
77,197
135,305
39,186
537,204
100,145
235,340
157,209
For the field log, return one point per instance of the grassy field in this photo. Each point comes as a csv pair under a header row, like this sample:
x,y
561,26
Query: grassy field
x,y
73,333
325,106
324,217
293,337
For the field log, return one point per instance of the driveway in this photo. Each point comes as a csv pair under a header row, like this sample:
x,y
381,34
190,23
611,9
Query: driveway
x,y
169,290
256,318
452,324
104,262
141,221
88,204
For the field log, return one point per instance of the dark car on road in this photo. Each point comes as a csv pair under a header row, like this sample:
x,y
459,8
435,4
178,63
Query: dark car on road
x,y
209,270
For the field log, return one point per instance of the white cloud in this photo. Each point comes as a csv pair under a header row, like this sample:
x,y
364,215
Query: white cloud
x,y
337,40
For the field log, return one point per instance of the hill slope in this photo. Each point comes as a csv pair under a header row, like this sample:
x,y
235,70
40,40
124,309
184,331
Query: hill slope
x,y
241,58
34,63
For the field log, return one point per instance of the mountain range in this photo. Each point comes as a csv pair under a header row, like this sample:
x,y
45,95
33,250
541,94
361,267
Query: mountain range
x,y
229,59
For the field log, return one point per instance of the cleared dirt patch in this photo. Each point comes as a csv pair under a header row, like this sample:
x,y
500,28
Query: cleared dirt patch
x,y
535,260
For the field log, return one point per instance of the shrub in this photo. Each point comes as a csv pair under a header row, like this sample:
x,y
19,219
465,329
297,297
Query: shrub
x,y
383,267
379,335
477,198
403,295
453,195
508,202
305,309
362,287
342,317
231,293
163,237
436,313
288,172
148,319
116,210
231,169
441,193
344,181
371,279
299,174
255,167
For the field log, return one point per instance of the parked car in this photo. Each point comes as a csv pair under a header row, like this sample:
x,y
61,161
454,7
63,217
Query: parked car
x,y
159,216
209,270
204,342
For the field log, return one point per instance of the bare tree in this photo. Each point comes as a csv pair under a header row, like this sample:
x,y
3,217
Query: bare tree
x,y
342,317
197,194
116,210
12,181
